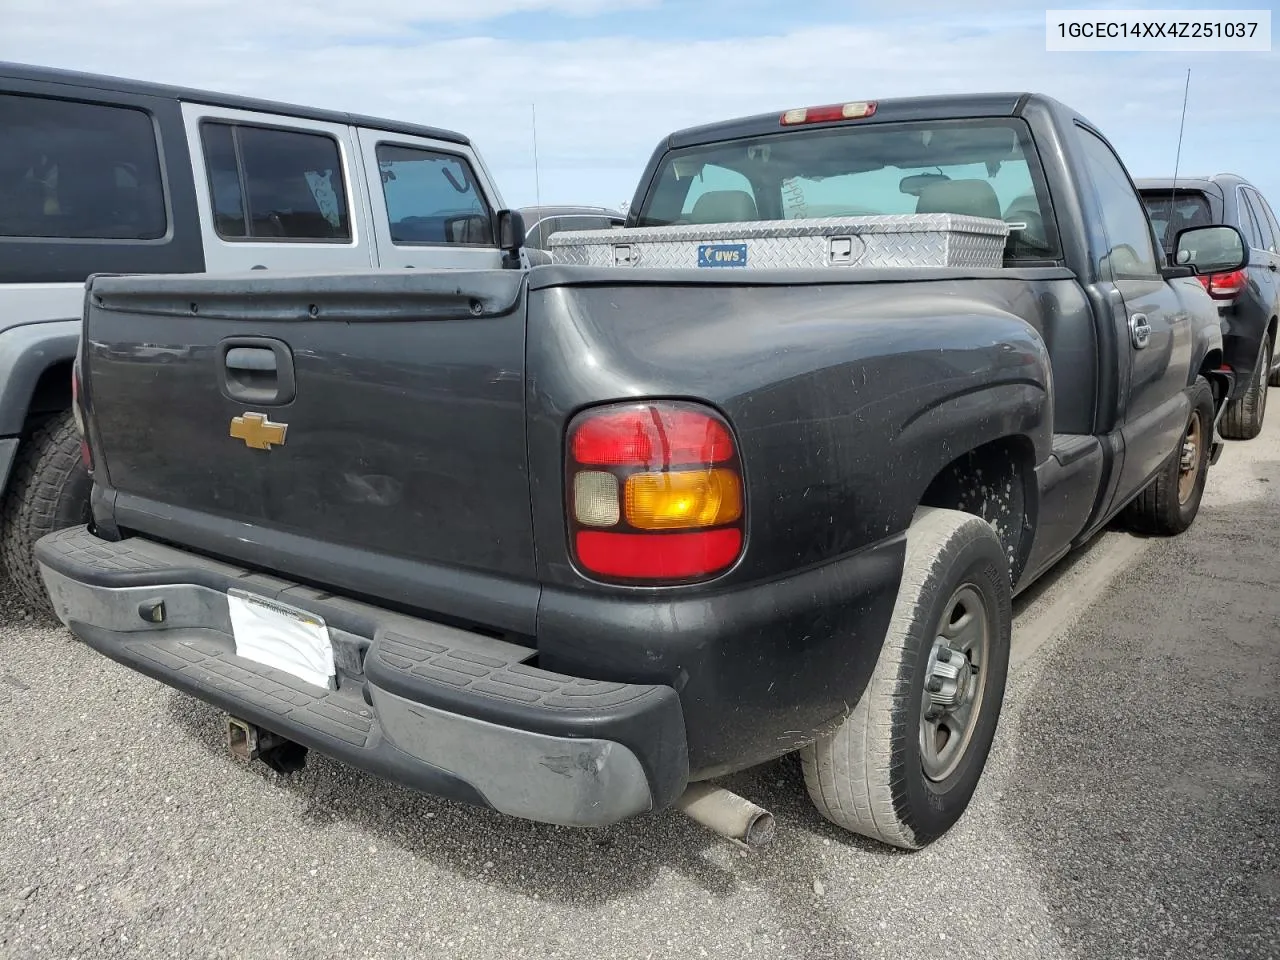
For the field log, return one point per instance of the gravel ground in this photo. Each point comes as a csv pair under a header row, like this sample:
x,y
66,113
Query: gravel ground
x,y
1130,809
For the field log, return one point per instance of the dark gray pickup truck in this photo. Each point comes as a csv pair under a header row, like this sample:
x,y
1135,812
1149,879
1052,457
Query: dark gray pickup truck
x,y
571,541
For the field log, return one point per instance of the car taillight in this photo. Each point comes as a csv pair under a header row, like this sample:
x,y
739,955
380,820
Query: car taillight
x,y
1225,286
829,113
655,493
86,457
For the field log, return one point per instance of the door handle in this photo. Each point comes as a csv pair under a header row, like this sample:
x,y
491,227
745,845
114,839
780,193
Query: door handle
x,y
1139,331
256,370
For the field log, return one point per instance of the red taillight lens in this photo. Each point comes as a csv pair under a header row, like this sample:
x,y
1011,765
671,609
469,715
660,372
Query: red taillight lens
x,y
677,556
655,493
649,433
1224,286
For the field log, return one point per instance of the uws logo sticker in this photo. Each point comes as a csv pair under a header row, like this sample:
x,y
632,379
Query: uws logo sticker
x,y
722,255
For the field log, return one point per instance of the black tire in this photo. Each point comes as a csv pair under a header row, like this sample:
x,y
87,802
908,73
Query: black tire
x,y
1244,415
1162,509
869,775
48,490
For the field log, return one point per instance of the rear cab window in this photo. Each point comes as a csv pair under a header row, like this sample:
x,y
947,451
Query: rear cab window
x,y
432,198
1172,211
986,168
79,171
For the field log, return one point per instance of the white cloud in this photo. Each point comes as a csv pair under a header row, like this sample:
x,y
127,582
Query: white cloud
x,y
603,104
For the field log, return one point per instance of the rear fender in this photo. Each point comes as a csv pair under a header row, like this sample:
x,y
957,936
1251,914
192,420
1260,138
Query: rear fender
x,y
964,422
1008,398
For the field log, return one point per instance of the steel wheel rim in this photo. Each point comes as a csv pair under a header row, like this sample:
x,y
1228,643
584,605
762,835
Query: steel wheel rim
x,y
1189,470
955,680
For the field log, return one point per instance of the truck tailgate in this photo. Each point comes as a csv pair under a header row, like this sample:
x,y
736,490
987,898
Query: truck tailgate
x,y
381,413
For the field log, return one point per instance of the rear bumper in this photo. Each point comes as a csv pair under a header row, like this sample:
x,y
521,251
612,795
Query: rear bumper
x,y
446,711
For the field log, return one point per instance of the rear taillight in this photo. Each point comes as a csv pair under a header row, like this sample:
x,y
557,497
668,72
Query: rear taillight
x,y
1225,286
655,493
86,457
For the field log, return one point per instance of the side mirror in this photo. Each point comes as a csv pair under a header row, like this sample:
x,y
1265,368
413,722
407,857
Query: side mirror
x,y
511,232
1216,249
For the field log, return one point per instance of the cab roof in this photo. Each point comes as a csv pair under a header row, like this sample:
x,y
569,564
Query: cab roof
x,y
941,107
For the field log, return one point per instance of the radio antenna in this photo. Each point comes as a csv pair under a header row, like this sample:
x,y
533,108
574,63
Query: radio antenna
x,y
1177,159
537,179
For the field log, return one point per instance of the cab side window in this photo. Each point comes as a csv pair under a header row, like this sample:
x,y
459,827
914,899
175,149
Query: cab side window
x,y
432,198
269,184
1131,248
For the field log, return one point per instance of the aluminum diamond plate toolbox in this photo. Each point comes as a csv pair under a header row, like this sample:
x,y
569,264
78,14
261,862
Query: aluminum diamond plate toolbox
x,y
901,240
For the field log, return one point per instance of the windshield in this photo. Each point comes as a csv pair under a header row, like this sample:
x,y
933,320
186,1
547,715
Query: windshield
x,y
1171,212
976,167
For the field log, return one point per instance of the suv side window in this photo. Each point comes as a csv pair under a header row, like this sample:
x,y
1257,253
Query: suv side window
x,y
432,198
1130,237
1266,235
1271,218
1249,225
271,184
76,170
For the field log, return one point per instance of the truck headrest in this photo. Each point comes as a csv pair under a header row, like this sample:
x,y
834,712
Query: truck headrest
x,y
724,206
971,198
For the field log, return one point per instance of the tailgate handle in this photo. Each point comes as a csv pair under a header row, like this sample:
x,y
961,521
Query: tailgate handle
x,y
257,370
251,358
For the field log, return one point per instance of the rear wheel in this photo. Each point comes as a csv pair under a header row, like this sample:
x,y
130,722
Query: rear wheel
x,y
1243,419
48,490
1169,504
904,764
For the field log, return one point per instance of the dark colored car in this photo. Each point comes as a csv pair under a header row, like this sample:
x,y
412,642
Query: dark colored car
x,y
570,542
1248,299
541,222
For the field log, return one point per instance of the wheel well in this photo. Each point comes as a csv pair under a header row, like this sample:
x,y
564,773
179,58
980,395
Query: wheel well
x,y
52,393
994,481
1209,370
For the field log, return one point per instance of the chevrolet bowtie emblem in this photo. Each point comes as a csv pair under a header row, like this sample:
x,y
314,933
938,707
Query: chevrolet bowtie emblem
x,y
257,431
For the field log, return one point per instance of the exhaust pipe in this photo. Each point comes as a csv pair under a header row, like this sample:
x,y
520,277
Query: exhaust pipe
x,y
727,814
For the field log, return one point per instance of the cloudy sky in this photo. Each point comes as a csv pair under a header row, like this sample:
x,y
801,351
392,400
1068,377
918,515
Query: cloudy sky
x,y
610,78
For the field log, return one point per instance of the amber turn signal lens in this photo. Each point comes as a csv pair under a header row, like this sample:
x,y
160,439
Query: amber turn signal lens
x,y
683,499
